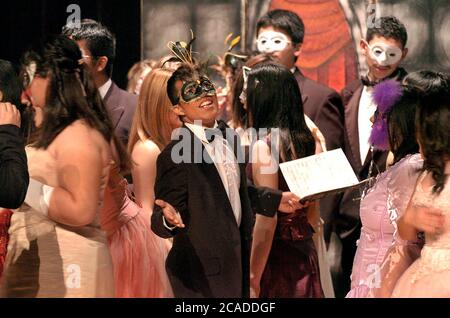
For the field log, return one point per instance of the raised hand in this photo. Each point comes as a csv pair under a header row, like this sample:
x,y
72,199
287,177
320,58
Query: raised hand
x,y
426,219
9,114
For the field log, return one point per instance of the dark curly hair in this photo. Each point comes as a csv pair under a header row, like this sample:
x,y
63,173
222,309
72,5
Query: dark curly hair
x,y
390,28
432,122
71,94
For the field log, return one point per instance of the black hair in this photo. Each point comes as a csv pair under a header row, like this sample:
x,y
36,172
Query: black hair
x,y
274,101
286,21
185,72
9,83
99,40
11,88
239,113
432,122
390,28
426,82
71,94
401,125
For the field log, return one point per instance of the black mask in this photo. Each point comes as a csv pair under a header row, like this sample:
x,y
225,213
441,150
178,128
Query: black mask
x,y
194,90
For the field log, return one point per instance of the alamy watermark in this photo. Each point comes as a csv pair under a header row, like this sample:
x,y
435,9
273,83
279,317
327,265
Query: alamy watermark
x,y
73,280
74,19
192,149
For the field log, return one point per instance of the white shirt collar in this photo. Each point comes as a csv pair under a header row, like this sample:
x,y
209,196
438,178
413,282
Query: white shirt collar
x,y
103,90
293,69
199,131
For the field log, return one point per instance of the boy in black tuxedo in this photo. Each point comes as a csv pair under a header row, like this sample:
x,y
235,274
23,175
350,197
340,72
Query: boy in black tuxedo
x,y
205,203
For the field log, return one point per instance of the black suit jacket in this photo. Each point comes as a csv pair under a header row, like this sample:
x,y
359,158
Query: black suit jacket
x,y
14,176
324,107
121,107
349,206
211,256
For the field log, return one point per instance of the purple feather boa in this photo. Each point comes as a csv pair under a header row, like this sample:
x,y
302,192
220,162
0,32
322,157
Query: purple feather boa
x,y
385,96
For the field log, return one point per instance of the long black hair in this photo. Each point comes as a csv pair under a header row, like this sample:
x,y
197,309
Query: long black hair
x,y
239,113
433,128
401,124
274,101
71,94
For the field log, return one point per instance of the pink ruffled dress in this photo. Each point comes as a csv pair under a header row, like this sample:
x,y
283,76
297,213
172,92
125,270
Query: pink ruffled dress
x,y
138,255
384,203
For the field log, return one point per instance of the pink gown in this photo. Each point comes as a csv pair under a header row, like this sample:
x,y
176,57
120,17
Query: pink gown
x,y
429,276
380,208
138,255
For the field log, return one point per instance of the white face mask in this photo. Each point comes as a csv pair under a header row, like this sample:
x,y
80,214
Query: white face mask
x,y
272,41
385,55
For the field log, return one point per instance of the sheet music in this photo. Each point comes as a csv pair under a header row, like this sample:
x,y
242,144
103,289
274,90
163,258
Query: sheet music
x,y
327,172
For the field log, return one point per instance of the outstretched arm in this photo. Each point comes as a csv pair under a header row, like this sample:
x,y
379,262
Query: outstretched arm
x,y
171,196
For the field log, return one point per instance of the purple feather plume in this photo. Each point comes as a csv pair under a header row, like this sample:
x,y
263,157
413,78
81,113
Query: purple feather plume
x,y
385,96
379,137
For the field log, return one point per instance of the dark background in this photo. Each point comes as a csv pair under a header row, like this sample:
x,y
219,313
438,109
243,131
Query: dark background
x,y
23,23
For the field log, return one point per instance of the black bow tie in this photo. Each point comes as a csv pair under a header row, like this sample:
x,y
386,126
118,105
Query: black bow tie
x,y
220,130
398,75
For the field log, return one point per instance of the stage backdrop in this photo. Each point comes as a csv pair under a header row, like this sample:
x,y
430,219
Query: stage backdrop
x,y
333,31
171,20
24,22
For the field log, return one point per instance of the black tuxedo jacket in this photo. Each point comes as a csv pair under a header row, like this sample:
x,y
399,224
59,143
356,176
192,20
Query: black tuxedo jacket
x,y
211,256
121,107
349,207
324,107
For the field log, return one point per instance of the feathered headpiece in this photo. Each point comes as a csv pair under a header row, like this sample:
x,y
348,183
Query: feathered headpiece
x,y
230,60
183,50
385,95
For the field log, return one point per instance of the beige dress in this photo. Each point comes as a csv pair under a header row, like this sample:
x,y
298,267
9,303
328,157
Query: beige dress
x,y
49,260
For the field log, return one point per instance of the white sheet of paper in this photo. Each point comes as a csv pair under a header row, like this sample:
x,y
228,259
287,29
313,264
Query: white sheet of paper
x,y
318,174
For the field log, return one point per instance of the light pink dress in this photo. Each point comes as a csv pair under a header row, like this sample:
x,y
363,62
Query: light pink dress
x,y
429,276
138,255
380,208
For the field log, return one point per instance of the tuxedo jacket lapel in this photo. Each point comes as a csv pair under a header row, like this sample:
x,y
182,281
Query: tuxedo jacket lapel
x,y
113,106
351,123
301,82
210,169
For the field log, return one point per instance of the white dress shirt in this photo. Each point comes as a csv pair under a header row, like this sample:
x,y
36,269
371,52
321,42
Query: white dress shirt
x,y
367,109
103,90
226,163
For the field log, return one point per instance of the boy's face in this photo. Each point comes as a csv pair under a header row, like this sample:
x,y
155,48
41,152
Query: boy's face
x,y
205,107
383,56
279,45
